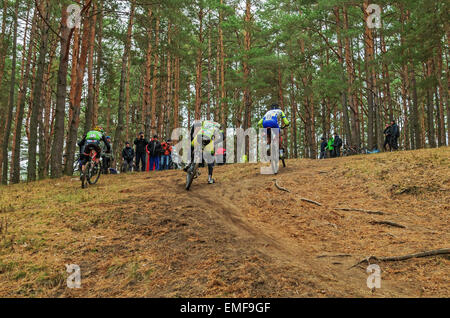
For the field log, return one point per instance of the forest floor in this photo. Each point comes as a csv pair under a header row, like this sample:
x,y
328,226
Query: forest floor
x,y
143,235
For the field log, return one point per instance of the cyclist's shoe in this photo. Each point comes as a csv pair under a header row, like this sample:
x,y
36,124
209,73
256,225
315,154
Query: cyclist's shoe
x,y
210,180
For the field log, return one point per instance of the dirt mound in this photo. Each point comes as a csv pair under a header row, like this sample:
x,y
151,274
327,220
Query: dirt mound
x,y
143,235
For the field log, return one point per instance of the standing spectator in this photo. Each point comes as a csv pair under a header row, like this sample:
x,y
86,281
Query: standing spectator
x,y
154,151
323,148
128,156
387,137
165,157
107,156
337,145
330,147
395,134
140,143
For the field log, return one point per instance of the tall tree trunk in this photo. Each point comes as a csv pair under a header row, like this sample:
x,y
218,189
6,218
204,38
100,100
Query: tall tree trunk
x,y
89,114
3,44
208,109
198,82
155,77
294,146
176,104
440,97
44,116
15,172
61,92
247,48
75,100
147,79
126,53
11,102
430,107
369,57
98,63
415,111
223,103
351,94
37,95
344,99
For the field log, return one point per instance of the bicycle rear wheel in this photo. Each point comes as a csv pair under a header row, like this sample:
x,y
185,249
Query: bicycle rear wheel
x,y
192,171
93,172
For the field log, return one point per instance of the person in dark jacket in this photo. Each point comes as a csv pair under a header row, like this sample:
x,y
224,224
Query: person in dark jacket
x,y
128,156
154,151
337,145
395,134
323,148
387,137
141,144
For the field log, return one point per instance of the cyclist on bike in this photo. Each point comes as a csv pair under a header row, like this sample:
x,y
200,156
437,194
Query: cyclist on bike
x,y
271,120
203,133
91,141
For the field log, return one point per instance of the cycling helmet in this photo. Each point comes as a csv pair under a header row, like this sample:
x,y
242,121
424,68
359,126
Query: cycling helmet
x,y
274,106
99,129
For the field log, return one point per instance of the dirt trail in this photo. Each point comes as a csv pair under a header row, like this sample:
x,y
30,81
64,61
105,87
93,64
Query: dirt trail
x,y
145,236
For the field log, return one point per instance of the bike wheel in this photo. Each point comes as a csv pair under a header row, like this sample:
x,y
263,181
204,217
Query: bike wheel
x,y
94,172
192,171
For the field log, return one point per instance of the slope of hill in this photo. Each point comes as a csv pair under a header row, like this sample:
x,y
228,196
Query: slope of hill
x,y
143,235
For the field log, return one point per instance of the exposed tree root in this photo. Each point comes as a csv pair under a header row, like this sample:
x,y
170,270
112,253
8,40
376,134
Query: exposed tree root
x,y
361,210
279,187
311,201
388,223
443,251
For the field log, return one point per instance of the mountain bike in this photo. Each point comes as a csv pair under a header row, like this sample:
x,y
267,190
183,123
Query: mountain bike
x,y
92,170
192,173
192,169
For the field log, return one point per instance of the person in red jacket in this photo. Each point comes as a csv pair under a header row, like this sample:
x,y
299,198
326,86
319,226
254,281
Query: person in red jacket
x,y
165,157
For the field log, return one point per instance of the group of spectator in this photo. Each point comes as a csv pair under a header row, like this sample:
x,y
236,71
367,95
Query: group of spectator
x,y
331,148
391,133
150,155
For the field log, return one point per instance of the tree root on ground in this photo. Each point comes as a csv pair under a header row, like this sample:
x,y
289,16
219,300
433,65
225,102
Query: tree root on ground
x,y
443,251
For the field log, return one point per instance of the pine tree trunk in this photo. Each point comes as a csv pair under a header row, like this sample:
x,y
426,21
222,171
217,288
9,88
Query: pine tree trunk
x,y
224,106
247,47
126,54
89,114
147,79
3,44
346,120
198,82
37,96
369,57
44,116
61,92
75,103
98,63
15,172
155,77
11,101
351,94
